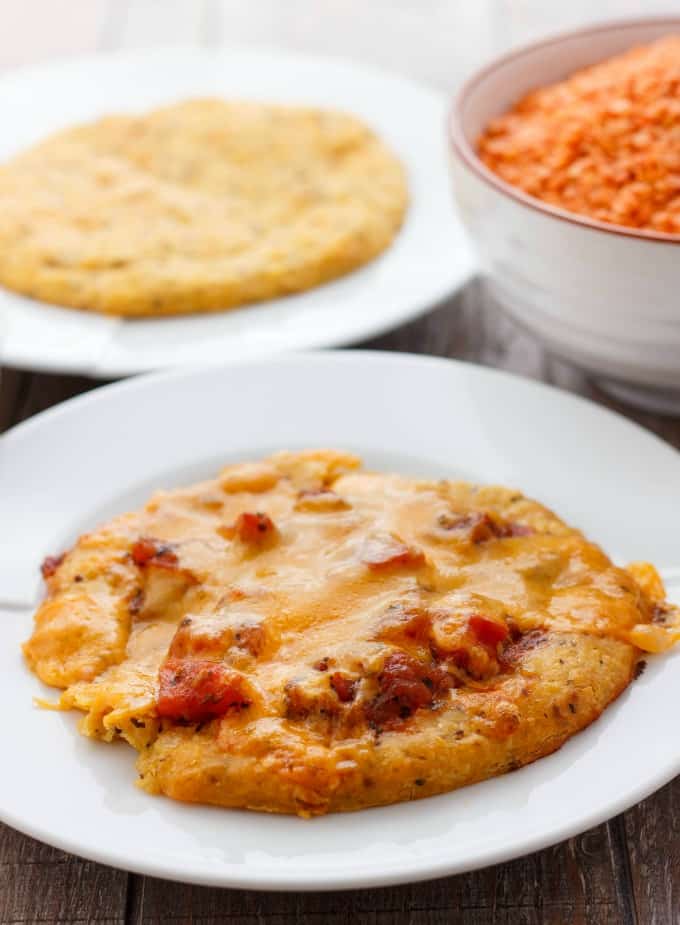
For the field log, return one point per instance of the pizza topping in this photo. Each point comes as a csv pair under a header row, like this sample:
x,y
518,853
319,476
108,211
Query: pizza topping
x,y
149,551
648,580
218,634
403,622
198,638
465,631
469,637
652,637
164,582
312,653
479,527
383,551
194,690
253,529
475,527
251,637
50,564
405,685
311,469
343,686
307,699
320,500
490,632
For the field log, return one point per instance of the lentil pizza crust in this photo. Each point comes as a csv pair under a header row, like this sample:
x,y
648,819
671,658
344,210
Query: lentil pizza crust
x,y
299,635
197,207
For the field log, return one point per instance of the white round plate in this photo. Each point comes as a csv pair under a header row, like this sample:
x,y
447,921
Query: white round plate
x,y
70,467
427,262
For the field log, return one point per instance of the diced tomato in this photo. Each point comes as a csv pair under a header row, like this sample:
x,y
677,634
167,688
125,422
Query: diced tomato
x,y
194,690
489,632
50,565
402,691
149,551
381,552
254,528
476,526
406,684
343,686
479,527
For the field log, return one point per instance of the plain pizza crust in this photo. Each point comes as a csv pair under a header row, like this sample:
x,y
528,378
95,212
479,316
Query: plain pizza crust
x,y
200,206
299,635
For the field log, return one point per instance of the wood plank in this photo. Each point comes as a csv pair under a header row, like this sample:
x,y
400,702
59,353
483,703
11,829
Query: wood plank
x,y
30,393
653,833
13,385
41,884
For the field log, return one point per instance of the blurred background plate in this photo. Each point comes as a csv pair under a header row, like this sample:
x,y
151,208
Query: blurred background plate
x,y
427,262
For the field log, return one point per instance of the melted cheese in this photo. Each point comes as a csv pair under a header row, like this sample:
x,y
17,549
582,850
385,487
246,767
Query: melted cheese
x,y
308,601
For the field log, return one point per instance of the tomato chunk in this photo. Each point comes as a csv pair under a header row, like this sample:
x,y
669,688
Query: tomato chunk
x,y
386,551
406,684
194,690
343,686
479,527
254,528
50,565
149,551
489,632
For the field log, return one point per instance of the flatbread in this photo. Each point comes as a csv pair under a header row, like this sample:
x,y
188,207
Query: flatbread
x,y
301,636
200,206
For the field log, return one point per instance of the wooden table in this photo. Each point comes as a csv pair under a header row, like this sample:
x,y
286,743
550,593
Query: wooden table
x,y
626,871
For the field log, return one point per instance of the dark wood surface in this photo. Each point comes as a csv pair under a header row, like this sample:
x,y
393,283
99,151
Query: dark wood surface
x,y
626,871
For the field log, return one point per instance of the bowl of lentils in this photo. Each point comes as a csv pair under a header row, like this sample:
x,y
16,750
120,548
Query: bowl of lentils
x,y
566,168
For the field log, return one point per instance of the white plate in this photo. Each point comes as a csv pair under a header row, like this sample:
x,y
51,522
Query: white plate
x,y
72,466
427,262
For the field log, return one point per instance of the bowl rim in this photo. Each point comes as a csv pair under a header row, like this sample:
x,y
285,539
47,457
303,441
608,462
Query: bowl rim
x,y
469,157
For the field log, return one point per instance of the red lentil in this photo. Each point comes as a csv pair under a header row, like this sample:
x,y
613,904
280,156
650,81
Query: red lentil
x,y
604,143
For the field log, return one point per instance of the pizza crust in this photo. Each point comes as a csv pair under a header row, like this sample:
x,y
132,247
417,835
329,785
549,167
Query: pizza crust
x,y
442,751
303,636
197,207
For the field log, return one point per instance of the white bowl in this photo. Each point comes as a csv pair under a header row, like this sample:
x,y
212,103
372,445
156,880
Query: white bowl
x,y
603,296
